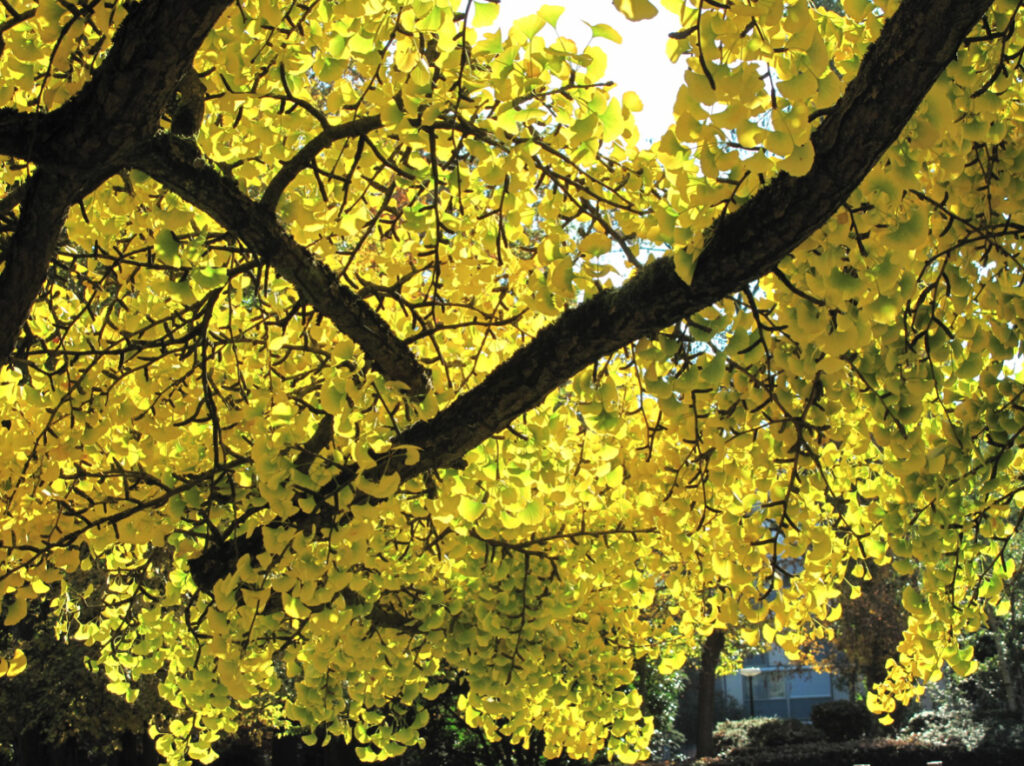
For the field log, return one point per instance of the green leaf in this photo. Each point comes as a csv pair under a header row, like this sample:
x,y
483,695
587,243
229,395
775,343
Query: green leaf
x,y
294,608
485,14
210,277
529,26
471,509
914,602
551,13
605,31
532,513
167,247
391,114
360,44
684,263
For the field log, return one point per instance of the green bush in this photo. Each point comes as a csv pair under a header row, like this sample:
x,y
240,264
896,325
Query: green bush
x,y
841,720
783,731
735,734
1004,730
759,733
950,723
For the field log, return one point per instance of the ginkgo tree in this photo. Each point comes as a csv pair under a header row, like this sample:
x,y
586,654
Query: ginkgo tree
x,y
351,350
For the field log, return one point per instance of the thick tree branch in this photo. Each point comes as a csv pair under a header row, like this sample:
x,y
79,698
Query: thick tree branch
x,y
14,197
913,49
915,46
81,144
19,132
121,104
27,254
178,164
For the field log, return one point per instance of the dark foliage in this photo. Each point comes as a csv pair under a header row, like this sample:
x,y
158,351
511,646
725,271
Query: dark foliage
x,y
877,752
59,713
450,742
841,720
868,632
663,698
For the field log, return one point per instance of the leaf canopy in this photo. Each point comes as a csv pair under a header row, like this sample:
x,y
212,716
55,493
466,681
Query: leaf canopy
x,y
350,350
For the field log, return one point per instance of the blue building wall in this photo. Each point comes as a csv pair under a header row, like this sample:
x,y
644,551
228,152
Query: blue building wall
x,y
781,688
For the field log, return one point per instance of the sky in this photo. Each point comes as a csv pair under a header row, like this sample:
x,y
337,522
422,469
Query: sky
x,y
638,63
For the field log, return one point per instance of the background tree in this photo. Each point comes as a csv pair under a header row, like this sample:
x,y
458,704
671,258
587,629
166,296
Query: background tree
x,y
867,634
59,712
985,707
333,381
662,695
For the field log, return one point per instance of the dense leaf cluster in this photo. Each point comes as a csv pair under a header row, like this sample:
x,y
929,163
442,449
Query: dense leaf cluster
x,y
354,352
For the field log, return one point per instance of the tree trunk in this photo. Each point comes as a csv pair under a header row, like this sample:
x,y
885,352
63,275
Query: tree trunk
x,y
709,658
1004,663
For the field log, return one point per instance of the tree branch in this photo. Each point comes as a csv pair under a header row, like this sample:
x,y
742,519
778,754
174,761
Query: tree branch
x,y
913,49
305,156
915,46
358,127
121,104
180,166
81,144
26,256
19,132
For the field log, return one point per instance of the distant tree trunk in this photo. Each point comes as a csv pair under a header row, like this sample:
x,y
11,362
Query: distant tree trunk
x,y
709,658
1004,663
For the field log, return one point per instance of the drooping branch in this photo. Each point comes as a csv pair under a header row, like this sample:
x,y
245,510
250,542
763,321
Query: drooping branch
x,y
178,164
915,46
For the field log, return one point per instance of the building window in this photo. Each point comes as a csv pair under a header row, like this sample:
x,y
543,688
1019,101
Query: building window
x,y
770,685
807,683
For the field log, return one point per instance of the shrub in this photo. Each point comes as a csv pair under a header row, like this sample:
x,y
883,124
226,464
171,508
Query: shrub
x,y
783,731
759,733
877,752
841,720
951,723
735,734
1003,731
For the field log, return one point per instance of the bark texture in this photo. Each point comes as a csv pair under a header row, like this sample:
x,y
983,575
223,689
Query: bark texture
x,y
710,656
